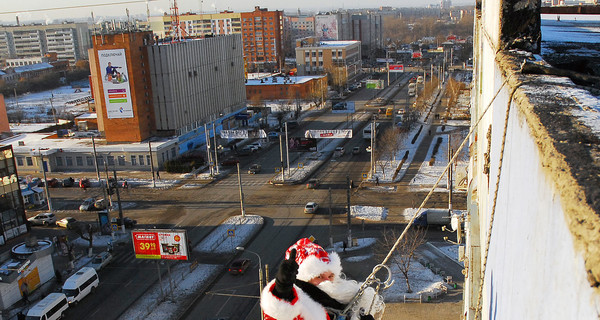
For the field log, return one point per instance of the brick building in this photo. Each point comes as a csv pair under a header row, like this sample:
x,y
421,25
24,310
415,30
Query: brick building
x,y
121,84
319,57
262,36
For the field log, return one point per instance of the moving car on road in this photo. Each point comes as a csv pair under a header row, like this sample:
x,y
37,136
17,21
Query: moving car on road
x,y
313,184
311,207
67,222
43,219
101,260
239,266
87,205
254,169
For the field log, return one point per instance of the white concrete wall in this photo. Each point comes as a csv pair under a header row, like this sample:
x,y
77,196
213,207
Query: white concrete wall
x,y
533,269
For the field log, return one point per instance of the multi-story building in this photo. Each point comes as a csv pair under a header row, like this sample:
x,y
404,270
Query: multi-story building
x,y
275,88
197,25
317,57
195,80
69,40
368,29
12,217
120,75
299,26
262,35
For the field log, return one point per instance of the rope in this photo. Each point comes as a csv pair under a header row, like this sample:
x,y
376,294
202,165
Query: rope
x,y
492,215
371,276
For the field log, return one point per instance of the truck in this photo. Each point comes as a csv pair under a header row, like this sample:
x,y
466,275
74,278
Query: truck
x,y
433,218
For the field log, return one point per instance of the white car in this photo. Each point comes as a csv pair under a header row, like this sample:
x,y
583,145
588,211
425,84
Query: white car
x,y
43,219
66,222
311,207
101,260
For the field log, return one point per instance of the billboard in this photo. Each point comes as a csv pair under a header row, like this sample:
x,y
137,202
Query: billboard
x,y
374,84
396,68
300,144
160,244
242,134
326,27
329,134
343,107
115,80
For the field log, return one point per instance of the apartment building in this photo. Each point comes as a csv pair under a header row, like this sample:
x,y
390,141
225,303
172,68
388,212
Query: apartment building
x,y
197,25
69,40
317,57
262,36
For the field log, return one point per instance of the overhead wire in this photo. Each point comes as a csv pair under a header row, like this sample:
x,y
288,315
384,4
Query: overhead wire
x,y
78,6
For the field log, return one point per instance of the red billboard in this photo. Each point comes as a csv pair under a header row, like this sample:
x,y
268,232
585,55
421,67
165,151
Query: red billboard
x,y
396,68
160,244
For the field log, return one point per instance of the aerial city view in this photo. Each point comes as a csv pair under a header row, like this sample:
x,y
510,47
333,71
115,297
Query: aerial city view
x,y
186,159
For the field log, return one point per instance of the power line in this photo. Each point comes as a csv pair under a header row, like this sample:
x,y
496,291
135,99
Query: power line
x,y
79,6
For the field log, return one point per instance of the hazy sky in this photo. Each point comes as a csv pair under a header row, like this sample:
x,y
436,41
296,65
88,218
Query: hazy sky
x,y
83,8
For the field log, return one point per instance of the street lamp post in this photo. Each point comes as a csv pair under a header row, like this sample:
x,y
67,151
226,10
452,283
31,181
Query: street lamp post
x,y
260,274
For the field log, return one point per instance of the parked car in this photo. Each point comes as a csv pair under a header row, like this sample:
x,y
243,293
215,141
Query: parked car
x,y
313,184
53,183
87,205
245,151
239,266
68,182
311,207
254,169
340,151
43,219
128,222
101,260
256,145
356,150
67,222
229,162
85,183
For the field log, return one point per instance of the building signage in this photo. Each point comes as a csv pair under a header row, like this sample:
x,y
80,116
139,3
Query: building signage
x,y
242,134
396,68
115,81
375,84
302,144
329,134
160,244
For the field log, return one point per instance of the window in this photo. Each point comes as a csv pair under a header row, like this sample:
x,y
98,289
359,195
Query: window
x,y
69,161
121,160
141,158
100,161
173,153
19,161
133,161
59,161
29,161
148,159
110,160
89,161
79,161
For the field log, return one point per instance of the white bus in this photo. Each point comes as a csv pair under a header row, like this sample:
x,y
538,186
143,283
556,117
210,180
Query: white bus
x,y
367,131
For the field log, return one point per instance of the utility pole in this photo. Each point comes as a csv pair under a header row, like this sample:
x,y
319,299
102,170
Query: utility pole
x,y
449,176
96,159
151,164
119,202
281,157
216,151
330,221
241,192
349,216
387,63
287,148
208,155
45,181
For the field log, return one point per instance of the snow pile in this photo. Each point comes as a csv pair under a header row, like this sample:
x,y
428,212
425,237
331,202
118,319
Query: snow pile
x,y
369,213
230,234
423,283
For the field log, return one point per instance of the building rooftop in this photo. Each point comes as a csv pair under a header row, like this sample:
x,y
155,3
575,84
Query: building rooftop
x,y
33,67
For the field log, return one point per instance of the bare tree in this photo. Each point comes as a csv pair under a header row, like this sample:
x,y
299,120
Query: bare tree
x,y
86,232
388,147
338,77
317,92
405,252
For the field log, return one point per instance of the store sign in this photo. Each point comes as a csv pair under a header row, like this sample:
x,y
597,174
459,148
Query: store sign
x,y
329,134
9,179
396,68
160,244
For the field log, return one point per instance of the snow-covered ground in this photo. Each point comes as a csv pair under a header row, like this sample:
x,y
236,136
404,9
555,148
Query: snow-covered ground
x,y
38,105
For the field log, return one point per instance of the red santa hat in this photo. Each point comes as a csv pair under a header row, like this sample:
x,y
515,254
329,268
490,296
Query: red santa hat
x,y
313,260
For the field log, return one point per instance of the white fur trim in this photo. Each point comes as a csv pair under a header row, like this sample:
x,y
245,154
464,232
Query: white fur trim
x,y
312,267
284,310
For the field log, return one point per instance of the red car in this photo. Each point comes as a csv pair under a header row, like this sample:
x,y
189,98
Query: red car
x,y
84,183
239,266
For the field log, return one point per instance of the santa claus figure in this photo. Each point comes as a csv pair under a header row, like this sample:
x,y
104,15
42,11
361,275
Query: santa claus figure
x,y
310,285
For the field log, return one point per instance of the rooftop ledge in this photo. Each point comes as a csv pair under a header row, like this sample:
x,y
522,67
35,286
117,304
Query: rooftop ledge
x,y
564,119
